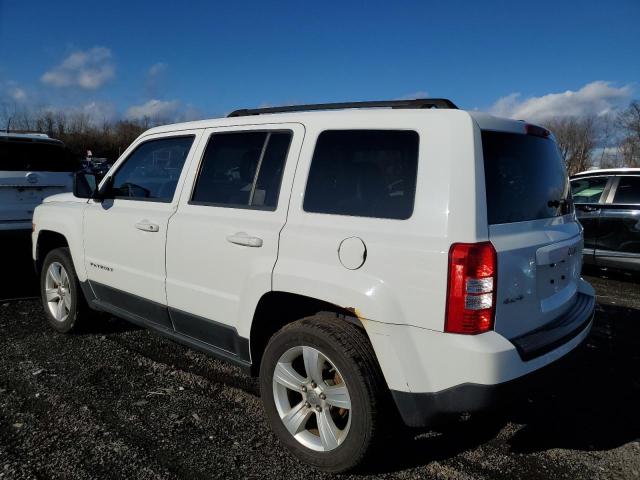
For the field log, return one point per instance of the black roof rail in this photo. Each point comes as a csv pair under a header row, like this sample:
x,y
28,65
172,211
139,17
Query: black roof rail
x,y
417,103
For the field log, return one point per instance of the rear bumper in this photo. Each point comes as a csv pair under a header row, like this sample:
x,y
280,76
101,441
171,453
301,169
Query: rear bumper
x,y
433,374
423,409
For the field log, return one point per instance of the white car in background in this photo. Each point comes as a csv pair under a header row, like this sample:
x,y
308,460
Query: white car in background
x,y
32,167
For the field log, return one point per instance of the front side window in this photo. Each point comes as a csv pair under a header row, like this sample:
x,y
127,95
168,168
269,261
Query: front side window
x,y
152,171
628,191
363,173
242,169
588,190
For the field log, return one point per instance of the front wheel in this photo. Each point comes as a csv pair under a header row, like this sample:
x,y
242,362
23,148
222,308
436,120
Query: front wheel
x,y
62,298
323,391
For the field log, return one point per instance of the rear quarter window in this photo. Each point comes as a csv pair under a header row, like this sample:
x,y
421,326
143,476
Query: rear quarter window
x,y
363,173
525,178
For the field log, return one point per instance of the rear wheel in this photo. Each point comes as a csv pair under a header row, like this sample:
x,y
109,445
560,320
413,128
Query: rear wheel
x,y
322,391
62,298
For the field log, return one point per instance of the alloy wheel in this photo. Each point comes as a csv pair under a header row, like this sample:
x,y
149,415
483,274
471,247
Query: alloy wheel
x,y
312,398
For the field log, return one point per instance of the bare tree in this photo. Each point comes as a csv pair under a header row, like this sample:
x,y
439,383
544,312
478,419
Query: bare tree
x,y
629,124
577,138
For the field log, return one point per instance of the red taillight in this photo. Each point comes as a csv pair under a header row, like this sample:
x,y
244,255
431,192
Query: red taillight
x,y
471,289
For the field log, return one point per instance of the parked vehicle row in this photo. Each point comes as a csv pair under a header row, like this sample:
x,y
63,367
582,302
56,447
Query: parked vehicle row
x,y
608,206
32,167
363,261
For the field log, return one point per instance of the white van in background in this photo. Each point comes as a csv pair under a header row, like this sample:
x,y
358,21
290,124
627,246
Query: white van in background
x,y
32,167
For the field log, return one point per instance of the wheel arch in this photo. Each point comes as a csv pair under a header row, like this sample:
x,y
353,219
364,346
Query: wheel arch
x,y
48,240
275,309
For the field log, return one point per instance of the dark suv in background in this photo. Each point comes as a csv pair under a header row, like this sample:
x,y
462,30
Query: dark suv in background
x,y
607,203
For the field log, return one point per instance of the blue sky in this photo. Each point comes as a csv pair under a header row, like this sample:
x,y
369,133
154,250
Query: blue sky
x,y
193,59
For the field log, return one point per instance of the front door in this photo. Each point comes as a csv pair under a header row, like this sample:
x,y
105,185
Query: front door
x,y
223,240
125,235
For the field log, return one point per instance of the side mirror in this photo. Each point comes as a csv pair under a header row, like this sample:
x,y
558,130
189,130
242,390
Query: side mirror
x,y
85,185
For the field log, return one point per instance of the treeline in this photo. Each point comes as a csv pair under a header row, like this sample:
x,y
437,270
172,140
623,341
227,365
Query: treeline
x,y
611,140
79,132
604,141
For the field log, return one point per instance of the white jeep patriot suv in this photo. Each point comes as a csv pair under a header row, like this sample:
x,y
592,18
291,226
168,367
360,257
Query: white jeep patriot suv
x,y
364,259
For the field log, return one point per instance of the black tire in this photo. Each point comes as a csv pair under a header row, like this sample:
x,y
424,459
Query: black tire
x,y
350,350
78,309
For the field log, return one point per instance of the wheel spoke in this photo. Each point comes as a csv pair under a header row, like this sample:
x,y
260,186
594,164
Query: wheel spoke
x,y
67,300
54,273
313,362
328,431
338,396
286,376
52,294
64,278
296,419
60,309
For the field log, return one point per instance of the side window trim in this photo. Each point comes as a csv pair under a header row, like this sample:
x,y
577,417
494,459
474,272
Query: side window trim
x,y
257,172
112,176
268,131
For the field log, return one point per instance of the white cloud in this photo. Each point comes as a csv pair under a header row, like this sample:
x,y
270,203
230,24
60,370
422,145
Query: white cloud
x,y
595,98
18,94
161,110
89,69
99,112
158,68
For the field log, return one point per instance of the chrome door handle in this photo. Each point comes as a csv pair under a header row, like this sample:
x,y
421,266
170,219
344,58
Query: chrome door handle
x,y
146,226
242,238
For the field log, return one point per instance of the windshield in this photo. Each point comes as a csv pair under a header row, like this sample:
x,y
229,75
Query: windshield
x,y
24,156
525,178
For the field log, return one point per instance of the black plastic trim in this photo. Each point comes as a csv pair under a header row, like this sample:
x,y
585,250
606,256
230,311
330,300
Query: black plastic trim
x,y
417,103
141,307
557,332
217,339
211,332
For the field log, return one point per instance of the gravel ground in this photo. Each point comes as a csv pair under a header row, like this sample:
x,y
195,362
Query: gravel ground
x,y
121,402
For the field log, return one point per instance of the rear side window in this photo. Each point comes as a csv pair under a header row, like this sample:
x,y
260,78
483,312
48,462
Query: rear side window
x,y
152,171
525,178
242,169
23,156
628,190
588,190
363,173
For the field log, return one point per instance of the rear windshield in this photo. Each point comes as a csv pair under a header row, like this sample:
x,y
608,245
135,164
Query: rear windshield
x,y
21,156
525,178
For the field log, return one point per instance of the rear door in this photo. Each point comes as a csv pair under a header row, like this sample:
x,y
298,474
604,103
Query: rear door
x,y
31,170
533,230
223,240
589,195
619,243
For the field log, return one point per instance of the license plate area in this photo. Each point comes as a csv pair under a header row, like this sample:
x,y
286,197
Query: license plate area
x,y
558,267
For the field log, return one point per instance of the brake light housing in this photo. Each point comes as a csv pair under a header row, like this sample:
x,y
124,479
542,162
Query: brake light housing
x,y
471,289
